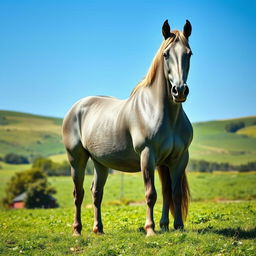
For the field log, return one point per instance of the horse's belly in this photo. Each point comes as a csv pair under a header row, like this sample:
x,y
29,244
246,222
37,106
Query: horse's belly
x,y
126,161
115,153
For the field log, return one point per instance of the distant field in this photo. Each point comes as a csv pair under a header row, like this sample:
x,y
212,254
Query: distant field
x,y
204,187
215,186
59,158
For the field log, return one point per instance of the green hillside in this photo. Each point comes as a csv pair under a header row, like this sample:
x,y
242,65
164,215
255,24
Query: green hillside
x,y
33,135
213,143
29,135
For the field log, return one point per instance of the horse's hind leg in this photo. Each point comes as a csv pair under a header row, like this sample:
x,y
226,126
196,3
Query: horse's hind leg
x,y
99,180
78,158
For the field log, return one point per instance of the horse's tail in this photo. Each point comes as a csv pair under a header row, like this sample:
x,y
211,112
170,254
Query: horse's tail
x,y
185,196
167,190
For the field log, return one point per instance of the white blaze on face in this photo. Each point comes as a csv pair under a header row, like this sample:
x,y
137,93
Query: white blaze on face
x,y
176,68
176,59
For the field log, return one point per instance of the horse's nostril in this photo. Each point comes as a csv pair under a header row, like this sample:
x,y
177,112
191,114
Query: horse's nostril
x,y
186,91
175,90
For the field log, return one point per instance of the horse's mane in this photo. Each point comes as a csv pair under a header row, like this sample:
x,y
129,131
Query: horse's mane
x,y
147,81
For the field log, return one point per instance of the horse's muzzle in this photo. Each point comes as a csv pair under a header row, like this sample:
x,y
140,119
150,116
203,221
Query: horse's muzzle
x,y
179,93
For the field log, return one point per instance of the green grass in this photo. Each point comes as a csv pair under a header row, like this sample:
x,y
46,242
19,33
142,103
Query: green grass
x,y
212,229
221,220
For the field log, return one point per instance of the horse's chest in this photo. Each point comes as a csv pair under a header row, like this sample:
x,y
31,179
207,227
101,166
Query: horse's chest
x,y
172,145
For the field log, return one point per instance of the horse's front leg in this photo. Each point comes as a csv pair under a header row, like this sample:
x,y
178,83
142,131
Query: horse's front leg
x,y
165,179
148,167
180,190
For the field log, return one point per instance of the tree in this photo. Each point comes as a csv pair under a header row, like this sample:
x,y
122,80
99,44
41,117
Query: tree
x,y
38,195
31,182
233,127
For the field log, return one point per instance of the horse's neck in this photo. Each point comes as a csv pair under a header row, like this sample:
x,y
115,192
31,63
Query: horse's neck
x,y
161,95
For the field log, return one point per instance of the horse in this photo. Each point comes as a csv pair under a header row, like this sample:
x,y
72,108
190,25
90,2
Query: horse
x,y
149,130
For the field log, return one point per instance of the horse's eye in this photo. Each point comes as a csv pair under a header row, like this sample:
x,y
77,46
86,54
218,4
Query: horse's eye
x,y
166,55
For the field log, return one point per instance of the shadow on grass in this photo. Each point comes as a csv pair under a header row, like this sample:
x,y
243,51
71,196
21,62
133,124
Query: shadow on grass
x,y
237,233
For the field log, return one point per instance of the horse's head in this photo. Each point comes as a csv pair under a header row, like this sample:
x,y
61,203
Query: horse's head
x,y
176,55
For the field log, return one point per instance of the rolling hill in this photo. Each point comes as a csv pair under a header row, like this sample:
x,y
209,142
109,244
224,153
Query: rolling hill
x,y
33,135
30,135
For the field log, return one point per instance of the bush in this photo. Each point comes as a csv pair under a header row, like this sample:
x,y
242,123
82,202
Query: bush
x,y
38,195
13,158
3,120
31,182
233,127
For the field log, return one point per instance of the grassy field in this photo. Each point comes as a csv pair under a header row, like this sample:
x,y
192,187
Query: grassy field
x,y
217,186
33,135
212,229
221,221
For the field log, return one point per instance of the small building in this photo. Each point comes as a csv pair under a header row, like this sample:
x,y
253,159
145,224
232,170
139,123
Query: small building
x,y
19,202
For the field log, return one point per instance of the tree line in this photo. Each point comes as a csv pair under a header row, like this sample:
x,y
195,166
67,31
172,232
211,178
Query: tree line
x,y
52,168
205,166
12,158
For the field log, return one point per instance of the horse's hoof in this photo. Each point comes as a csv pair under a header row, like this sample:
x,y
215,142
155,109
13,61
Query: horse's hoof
x,y
98,231
150,232
179,227
164,228
76,233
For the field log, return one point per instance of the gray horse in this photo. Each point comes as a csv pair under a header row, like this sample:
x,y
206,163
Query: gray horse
x,y
148,130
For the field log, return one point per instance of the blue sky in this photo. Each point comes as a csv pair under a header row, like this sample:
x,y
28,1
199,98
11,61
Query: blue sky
x,y
53,53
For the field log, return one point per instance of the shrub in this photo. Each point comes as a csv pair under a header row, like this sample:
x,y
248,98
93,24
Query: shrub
x,y
3,120
233,127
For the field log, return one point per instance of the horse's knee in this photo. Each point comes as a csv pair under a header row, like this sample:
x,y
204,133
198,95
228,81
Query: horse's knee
x,y
151,197
78,197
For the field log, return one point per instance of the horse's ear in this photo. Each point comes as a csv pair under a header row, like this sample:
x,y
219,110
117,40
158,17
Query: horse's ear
x,y
166,30
187,29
